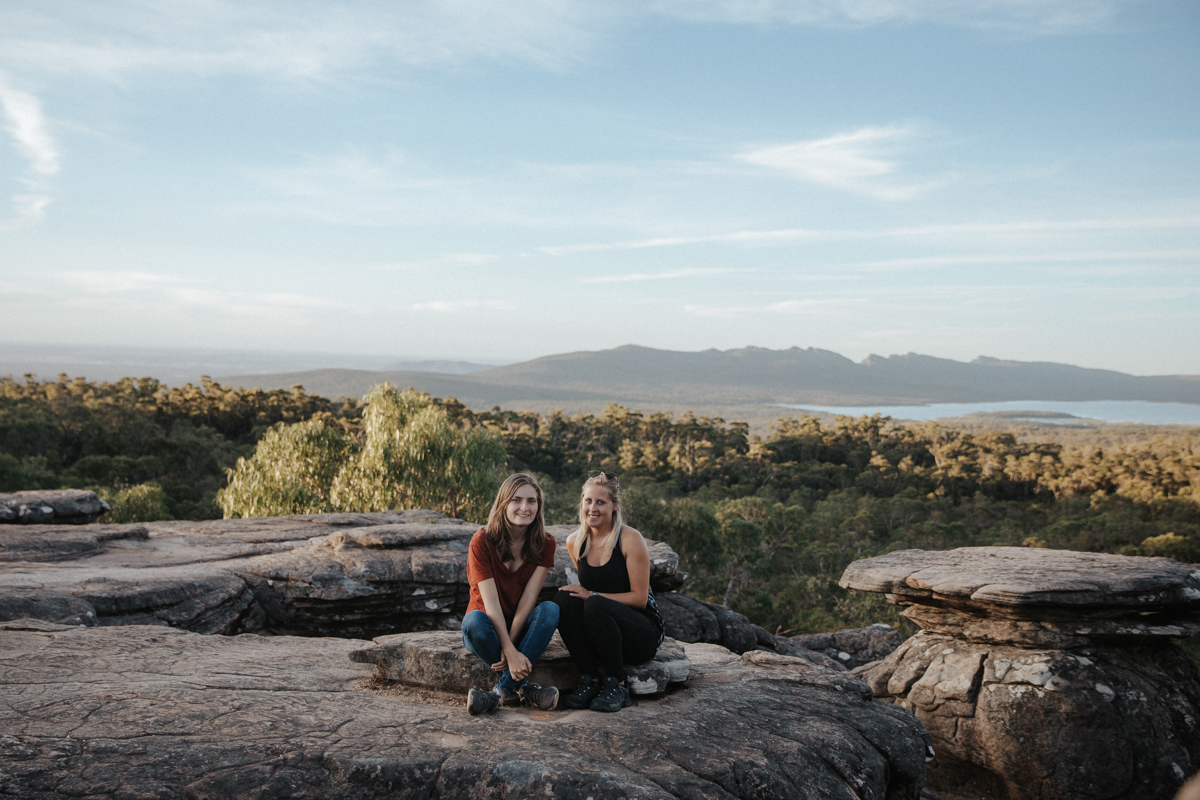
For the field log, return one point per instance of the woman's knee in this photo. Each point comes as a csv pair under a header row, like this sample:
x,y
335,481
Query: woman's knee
x,y
568,605
548,610
596,607
476,623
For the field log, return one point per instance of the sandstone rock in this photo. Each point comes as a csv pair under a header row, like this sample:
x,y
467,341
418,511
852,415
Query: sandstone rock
x,y
1044,675
1046,634
1028,583
350,575
1014,722
71,506
438,660
59,542
156,712
852,647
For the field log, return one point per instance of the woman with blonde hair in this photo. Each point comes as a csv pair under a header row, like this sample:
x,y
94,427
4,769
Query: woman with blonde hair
x,y
505,625
610,618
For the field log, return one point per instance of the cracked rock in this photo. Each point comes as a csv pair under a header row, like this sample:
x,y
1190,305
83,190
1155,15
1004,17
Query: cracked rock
x,y
146,711
1044,675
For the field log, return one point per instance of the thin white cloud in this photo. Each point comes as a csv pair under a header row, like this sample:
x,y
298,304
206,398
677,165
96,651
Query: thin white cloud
x,y
855,161
1016,16
453,306
445,261
116,281
815,307
1029,258
301,39
738,237
26,127
784,235
183,295
635,277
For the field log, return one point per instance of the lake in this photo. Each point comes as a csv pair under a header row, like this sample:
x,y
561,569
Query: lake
x,y
1063,412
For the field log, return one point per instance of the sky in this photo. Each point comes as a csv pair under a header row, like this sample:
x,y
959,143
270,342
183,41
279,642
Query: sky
x,y
496,181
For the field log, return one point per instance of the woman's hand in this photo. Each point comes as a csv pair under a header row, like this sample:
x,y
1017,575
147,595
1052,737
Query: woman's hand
x,y
575,590
501,664
519,666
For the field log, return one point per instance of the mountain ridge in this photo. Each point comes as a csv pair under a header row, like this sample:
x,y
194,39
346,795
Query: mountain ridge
x,y
752,375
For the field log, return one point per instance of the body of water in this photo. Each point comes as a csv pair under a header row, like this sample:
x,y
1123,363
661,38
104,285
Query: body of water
x,y
1064,412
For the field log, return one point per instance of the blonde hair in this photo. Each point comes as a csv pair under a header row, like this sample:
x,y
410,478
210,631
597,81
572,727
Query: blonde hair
x,y
613,487
498,529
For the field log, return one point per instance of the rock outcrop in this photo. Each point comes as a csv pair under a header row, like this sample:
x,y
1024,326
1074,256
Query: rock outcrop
x,y
150,711
59,506
851,647
438,660
1044,675
348,575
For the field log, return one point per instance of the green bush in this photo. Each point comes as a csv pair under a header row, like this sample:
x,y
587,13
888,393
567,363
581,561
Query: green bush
x,y
412,456
142,503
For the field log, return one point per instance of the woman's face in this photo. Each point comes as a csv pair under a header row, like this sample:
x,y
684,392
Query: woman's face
x,y
522,508
598,507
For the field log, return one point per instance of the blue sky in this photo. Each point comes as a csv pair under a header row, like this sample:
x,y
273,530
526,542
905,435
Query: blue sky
x,y
503,180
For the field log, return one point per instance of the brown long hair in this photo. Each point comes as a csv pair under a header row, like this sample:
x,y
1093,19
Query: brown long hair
x,y
497,529
613,487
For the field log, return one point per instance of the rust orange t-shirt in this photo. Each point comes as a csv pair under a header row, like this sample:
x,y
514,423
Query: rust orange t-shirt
x,y
483,562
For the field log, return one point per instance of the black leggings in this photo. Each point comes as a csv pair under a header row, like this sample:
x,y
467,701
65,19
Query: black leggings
x,y
603,633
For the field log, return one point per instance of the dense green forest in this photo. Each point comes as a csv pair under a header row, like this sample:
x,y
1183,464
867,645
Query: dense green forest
x,y
765,524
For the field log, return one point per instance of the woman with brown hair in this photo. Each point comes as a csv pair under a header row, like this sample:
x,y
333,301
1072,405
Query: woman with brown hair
x,y
504,625
610,618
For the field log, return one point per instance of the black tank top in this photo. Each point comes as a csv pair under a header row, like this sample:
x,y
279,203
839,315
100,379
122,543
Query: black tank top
x,y
612,577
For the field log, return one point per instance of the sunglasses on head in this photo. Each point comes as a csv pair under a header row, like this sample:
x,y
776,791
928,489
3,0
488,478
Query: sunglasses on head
x,y
593,473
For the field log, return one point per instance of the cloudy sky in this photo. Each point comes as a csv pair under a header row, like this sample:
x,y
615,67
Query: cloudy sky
x,y
502,180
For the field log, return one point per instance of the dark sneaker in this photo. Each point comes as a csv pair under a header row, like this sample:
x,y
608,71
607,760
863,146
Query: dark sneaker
x,y
612,697
481,702
584,693
535,695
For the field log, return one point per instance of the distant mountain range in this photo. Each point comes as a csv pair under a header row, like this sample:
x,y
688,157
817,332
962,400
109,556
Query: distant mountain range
x,y
648,378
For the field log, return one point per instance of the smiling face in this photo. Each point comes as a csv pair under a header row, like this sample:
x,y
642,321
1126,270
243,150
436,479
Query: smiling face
x,y
522,508
598,507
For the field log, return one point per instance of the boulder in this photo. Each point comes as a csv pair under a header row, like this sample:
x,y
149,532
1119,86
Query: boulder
x,y
350,575
851,647
158,712
1044,675
70,506
687,619
438,660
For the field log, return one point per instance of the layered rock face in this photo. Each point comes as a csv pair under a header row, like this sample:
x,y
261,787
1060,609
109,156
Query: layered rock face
x,y
64,506
1044,675
148,711
349,575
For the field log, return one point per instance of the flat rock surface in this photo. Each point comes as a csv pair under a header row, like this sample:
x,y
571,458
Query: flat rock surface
x,y
1023,582
351,575
439,660
157,712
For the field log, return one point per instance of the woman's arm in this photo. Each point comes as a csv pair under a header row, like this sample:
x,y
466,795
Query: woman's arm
x,y
637,562
527,602
518,664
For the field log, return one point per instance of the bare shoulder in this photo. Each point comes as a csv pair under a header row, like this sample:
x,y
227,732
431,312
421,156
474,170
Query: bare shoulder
x,y
632,538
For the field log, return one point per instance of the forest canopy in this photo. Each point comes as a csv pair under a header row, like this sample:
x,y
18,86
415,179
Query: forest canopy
x,y
765,524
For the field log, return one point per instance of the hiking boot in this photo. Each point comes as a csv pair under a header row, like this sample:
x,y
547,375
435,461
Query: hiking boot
x,y
535,695
481,702
612,697
584,693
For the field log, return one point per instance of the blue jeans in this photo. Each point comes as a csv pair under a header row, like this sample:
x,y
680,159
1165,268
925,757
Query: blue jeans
x,y
479,636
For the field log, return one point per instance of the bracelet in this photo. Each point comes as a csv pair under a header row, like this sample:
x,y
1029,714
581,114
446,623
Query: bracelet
x,y
594,594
